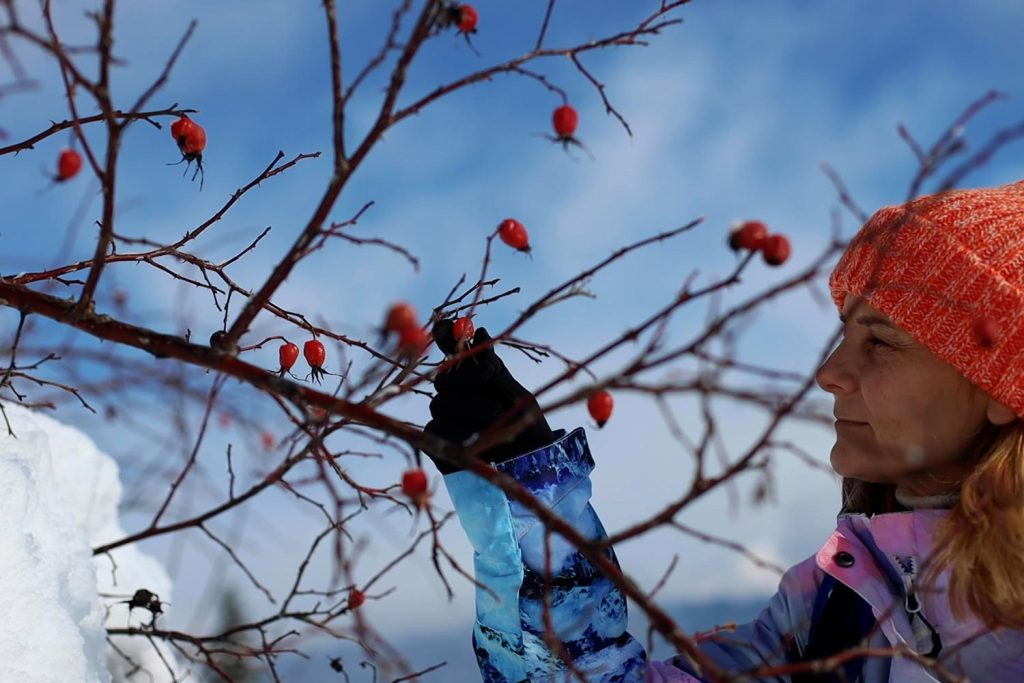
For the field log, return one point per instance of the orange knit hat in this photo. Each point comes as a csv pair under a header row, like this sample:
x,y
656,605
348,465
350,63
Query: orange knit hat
x,y
949,269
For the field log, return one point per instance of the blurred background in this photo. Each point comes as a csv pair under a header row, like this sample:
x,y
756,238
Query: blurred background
x,y
733,112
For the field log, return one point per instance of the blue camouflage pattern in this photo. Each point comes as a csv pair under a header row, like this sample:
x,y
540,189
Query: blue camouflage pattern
x,y
588,613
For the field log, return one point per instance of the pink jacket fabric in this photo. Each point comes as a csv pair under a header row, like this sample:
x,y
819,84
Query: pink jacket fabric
x,y
882,555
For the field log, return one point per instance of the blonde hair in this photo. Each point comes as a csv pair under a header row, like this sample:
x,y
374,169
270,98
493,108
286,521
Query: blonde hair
x,y
982,539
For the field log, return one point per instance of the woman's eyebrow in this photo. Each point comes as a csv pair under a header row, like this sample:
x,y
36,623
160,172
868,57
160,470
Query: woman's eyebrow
x,y
869,320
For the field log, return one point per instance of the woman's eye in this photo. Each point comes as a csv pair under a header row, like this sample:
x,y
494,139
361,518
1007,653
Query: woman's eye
x,y
875,341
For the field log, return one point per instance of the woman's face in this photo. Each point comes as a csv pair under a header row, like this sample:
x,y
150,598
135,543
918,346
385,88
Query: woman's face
x,y
904,416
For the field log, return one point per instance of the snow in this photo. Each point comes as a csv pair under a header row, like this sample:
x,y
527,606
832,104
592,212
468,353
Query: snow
x,y
59,497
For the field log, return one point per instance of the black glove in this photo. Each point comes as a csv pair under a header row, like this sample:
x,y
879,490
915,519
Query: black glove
x,y
477,392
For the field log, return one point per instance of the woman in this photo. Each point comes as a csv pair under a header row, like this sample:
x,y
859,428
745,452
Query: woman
x,y
927,559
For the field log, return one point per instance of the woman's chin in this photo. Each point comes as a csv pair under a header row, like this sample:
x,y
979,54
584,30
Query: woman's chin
x,y
854,465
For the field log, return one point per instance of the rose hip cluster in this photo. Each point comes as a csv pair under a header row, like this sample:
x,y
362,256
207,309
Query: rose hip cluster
x,y
754,236
314,353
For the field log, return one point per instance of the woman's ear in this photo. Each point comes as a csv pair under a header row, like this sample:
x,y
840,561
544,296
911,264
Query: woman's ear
x,y
998,413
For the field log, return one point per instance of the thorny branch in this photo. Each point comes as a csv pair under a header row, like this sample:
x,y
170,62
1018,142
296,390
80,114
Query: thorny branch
x,y
306,466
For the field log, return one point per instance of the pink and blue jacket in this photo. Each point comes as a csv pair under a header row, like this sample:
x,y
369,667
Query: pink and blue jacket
x,y
878,557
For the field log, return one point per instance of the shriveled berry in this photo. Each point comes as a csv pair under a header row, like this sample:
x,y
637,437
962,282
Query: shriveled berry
x,y
513,233
287,355
749,235
986,329
356,598
69,163
600,406
565,119
775,249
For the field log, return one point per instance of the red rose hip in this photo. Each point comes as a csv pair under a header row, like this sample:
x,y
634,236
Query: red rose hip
x,y
414,485
564,120
69,163
600,406
413,342
775,249
191,140
463,330
513,233
287,355
468,18
400,317
749,235
314,352
190,137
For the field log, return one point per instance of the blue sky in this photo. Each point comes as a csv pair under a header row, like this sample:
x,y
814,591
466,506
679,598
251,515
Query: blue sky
x,y
733,112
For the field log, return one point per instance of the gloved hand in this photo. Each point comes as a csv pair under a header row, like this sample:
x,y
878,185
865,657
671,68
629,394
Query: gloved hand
x,y
474,394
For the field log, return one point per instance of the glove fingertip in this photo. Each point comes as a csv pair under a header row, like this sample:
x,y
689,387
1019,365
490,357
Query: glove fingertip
x,y
444,338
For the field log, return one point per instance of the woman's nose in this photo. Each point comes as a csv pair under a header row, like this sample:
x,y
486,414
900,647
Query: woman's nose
x,y
835,375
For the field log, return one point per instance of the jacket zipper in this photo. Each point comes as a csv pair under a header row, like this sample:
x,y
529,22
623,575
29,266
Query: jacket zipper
x,y
912,603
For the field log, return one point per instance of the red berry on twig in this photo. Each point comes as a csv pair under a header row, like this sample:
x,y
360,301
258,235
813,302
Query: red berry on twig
x,y
463,330
749,235
513,233
181,128
314,352
401,316
413,342
414,485
191,140
467,19
69,163
463,17
287,355
775,250
356,598
600,406
565,119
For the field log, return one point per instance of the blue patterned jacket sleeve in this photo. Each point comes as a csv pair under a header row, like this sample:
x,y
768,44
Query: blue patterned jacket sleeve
x,y
588,613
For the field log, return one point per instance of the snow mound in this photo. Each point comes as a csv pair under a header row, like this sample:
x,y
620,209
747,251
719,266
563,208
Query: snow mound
x,y
58,498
